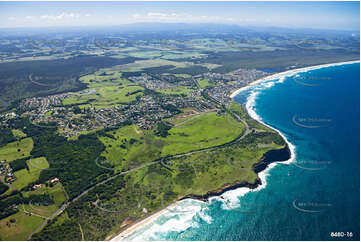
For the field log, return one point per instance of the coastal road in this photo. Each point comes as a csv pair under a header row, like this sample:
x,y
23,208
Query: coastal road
x,y
65,205
160,160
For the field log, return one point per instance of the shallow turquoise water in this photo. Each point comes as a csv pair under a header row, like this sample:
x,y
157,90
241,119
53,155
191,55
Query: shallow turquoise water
x,y
319,193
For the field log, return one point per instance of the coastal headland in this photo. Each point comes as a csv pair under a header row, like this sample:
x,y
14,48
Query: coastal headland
x,y
285,154
149,150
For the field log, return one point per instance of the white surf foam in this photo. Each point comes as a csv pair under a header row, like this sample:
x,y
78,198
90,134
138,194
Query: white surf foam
x,y
289,73
177,219
178,222
232,197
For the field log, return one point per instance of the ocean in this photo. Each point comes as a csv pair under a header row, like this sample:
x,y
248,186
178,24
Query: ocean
x,y
315,196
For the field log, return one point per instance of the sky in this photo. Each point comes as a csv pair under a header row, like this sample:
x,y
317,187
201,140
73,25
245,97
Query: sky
x,y
317,15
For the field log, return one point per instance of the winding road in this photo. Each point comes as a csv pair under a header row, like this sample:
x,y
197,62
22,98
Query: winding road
x,y
159,160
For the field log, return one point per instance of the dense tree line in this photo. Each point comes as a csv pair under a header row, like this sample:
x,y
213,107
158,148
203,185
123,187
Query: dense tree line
x,y
69,230
6,136
58,75
73,162
191,70
162,129
3,188
171,108
134,92
19,164
9,204
107,206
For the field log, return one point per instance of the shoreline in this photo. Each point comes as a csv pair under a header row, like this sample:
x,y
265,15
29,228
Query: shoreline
x,y
289,73
260,183
139,223
258,167
267,159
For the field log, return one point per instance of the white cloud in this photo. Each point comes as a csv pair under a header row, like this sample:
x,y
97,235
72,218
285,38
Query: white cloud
x,y
61,16
157,14
177,17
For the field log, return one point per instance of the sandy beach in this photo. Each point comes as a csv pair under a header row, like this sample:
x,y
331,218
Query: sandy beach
x,y
142,222
150,218
289,73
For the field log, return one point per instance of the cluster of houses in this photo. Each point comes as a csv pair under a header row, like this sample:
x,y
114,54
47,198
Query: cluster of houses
x,y
43,104
240,75
4,119
151,83
145,112
7,172
225,84
152,109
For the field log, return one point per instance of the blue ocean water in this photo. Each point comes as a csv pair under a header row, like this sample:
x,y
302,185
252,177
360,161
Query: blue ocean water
x,y
312,198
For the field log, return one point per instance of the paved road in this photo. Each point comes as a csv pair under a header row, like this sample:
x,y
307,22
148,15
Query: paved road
x,y
197,84
65,205
160,160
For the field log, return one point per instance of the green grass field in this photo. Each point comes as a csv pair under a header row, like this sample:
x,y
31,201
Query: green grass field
x,y
24,224
18,134
155,186
24,177
172,55
75,137
182,75
56,193
175,91
203,131
132,147
104,77
22,228
237,108
106,88
16,150
205,83
142,64
145,54
206,171
106,96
